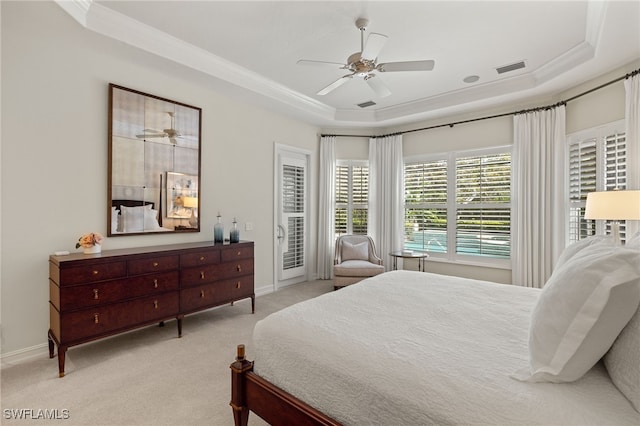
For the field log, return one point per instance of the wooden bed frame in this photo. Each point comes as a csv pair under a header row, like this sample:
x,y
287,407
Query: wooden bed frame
x,y
250,392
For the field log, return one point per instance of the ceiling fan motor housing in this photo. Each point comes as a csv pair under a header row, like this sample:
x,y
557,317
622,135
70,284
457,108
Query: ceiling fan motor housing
x,y
360,66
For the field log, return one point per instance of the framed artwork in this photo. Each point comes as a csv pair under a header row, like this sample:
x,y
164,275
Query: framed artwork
x,y
182,195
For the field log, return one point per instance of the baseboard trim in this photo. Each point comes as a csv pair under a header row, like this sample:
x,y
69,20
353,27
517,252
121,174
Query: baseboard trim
x,y
12,358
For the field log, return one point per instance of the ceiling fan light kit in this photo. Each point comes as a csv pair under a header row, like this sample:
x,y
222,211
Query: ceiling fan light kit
x,y
363,64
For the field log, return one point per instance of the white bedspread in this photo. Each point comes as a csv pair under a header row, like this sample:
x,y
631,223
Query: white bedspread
x,y
413,348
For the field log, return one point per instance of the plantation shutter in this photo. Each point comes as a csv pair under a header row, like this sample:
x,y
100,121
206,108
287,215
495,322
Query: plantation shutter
x,y
352,195
595,164
342,199
582,180
615,161
293,206
483,205
360,197
615,169
426,206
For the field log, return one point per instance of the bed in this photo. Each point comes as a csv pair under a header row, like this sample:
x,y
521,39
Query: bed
x,y
417,348
129,216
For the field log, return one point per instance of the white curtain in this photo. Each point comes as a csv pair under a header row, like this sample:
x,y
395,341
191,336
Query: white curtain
x,y
632,123
538,223
386,192
326,212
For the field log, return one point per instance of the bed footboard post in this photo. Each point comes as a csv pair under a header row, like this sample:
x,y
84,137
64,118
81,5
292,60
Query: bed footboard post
x,y
238,370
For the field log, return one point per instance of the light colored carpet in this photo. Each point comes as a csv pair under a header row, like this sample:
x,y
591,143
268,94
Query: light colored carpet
x,y
148,376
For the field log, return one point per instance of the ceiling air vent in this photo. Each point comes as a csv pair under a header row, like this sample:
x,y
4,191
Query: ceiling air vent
x,y
366,104
510,67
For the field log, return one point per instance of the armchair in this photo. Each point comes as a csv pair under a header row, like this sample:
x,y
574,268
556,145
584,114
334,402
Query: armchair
x,y
355,259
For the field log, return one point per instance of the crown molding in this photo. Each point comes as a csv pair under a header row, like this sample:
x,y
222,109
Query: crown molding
x,y
110,23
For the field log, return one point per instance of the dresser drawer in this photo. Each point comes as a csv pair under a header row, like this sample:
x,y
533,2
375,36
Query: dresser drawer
x,y
153,264
209,273
199,275
236,268
92,273
209,257
82,296
230,254
216,293
119,316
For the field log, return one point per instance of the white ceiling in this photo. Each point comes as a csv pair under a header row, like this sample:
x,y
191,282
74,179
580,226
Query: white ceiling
x,y
251,47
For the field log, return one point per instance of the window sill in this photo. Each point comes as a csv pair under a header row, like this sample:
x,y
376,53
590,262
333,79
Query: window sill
x,y
497,264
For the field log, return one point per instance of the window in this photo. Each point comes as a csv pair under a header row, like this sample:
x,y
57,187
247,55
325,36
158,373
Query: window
x,y
352,197
458,205
425,195
596,162
483,205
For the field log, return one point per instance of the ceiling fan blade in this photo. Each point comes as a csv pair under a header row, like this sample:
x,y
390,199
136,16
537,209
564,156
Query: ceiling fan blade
x,y
308,62
406,66
377,85
375,43
333,86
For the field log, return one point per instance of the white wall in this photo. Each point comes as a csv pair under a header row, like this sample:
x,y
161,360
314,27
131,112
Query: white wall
x,y
55,77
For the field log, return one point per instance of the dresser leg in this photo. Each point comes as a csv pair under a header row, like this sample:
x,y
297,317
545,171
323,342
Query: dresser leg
x,y
179,321
51,345
62,351
161,324
253,304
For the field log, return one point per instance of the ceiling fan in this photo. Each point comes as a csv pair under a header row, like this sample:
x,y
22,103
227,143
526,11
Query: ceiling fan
x,y
363,64
170,133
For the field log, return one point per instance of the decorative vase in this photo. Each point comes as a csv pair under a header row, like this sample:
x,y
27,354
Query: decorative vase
x,y
93,249
218,231
234,233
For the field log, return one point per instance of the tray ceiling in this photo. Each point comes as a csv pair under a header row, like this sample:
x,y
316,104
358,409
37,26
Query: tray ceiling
x,y
252,47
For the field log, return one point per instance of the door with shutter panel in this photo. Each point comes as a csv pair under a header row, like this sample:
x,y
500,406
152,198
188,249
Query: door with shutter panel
x,y
291,216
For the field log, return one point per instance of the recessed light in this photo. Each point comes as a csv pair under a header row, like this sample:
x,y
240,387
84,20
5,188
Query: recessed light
x,y
471,79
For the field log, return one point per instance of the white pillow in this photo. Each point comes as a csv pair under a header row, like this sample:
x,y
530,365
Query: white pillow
x,y
581,310
358,251
151,219
623,361
133,218
574,248
114,219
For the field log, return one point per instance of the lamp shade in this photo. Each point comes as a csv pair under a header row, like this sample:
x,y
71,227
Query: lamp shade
x,y
613,205
190,202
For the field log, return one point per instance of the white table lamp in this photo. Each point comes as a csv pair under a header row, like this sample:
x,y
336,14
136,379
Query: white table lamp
x,y
192,204
613,205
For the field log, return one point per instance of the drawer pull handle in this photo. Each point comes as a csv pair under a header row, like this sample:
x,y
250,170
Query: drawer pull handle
x,y
202,275
155,304
96,320
155,264
155,283
202,258
94,272
238,253
238,284
95,294
201,294
239,268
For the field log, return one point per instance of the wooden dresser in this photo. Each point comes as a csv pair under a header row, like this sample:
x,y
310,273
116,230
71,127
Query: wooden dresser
x,y
98,295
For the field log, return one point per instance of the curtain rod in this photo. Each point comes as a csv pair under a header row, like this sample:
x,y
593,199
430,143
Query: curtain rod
x,y
525,111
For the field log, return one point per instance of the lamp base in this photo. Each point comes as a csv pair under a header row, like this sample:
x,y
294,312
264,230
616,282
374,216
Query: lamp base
x,y
615,232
